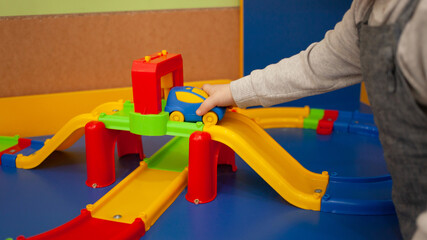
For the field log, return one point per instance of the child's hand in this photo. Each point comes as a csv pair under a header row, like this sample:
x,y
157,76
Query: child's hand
x,y
219,95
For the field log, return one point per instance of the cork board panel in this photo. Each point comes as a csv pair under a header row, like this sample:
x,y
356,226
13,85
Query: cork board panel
x,y
45,7
62,53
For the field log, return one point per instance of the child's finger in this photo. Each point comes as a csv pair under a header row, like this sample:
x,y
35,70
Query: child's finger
x,y
207,105
207,88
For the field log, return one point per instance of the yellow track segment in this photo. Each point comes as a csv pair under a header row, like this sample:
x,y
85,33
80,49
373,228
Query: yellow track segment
x,y
145,193
199,84
49,112
277,117
275,165
72,131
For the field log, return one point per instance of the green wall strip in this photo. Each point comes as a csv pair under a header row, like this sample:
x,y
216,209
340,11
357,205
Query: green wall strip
x,y
44,7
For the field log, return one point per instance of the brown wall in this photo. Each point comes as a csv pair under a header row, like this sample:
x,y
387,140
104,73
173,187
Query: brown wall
x,y
61,53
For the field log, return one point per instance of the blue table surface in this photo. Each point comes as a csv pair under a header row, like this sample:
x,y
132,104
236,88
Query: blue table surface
x,y
246,207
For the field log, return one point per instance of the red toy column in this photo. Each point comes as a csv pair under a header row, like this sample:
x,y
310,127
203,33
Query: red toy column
x,y
129,143
99,154
146,80
202,169
226,156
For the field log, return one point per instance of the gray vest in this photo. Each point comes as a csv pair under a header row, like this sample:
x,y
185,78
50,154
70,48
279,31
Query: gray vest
x,y
401,122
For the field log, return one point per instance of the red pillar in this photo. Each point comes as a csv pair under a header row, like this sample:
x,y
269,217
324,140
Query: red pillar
x,y
100,143
226,156
202,169
129,143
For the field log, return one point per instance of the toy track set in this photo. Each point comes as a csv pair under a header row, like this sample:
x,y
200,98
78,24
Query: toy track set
x,y
190,159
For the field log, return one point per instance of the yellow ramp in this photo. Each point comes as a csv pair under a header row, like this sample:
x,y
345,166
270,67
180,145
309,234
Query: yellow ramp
x,y
72,131
275,165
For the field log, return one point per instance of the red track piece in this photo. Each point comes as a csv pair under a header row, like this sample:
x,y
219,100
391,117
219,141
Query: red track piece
x,y
326,124
86,227
22,144
325,127
330,115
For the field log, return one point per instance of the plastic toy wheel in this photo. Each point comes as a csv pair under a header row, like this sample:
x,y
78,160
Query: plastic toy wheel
x,y
176,116
210,118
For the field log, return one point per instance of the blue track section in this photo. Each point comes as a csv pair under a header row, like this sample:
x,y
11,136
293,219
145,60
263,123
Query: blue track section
x,y
8,160
359,182
358,196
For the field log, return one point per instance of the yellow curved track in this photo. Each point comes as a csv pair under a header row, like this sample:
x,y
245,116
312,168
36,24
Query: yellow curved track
x,y
275,165
277,117
72,131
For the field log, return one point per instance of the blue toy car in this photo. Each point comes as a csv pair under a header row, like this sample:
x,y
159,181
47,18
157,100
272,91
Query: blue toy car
x,y
183,102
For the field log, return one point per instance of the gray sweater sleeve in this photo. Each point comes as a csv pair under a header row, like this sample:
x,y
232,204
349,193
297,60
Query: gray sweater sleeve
x,y
334,62
412,53
330,64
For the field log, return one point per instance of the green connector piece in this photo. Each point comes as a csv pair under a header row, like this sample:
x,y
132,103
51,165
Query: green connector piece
x,y
148,125
311,123
115,122
183,129
8,142
171,157
312,120
127,108
316,113
120,119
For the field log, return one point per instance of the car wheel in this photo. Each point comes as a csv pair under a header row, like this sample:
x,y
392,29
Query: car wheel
x,y
176,116
210,118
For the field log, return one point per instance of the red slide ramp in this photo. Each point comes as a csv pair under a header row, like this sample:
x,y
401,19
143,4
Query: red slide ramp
x,y
86,227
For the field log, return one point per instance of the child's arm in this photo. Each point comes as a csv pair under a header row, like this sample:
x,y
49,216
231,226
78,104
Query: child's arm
x,y
331,64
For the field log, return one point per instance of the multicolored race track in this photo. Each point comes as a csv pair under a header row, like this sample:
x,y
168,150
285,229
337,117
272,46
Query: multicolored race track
x,y
133,205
